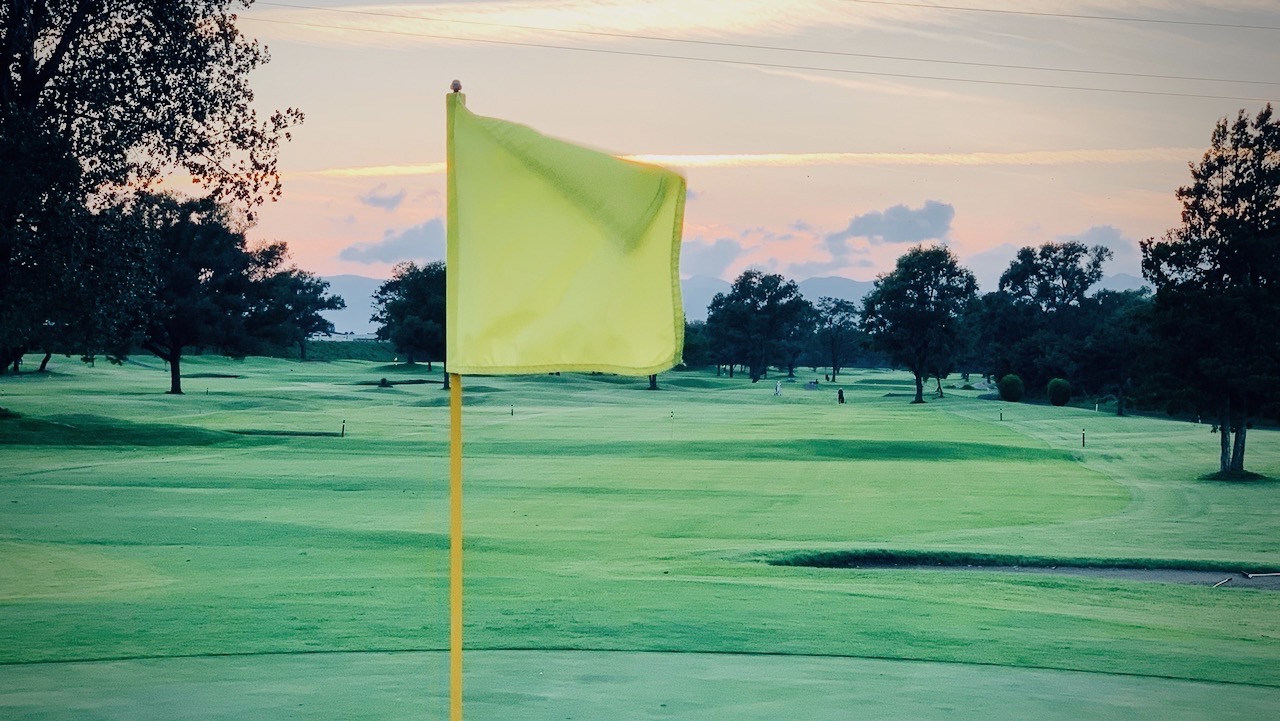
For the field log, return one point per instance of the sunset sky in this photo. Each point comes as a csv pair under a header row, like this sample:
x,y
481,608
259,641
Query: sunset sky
x,y
819,137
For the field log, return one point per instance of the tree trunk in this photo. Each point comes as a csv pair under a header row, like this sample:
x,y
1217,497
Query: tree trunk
x,y
791,371
175,376
44,362
428,366
919,389
1224,433
1237,452
939,378
653,381
730,370
446,377
302,348
1120,397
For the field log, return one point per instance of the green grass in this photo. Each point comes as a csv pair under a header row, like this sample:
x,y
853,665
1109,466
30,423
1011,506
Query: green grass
x,y
231,524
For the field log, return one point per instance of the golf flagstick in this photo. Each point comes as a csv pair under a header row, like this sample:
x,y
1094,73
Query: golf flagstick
x,y
455,547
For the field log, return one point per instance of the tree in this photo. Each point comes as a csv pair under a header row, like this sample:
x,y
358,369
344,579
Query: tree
x,y
1055,276
1217,280
1044,311
797,338
751,323
697,344
98,101
913,313
291,305
210,290
1119,346
85,295
838,333
410,311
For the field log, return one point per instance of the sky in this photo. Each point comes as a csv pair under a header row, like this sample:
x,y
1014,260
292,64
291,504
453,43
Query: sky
x,y
818,137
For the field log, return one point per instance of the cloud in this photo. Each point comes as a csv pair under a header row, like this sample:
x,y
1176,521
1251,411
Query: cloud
x,y
548,21
1040,158
898,224
425,241
691,194
700,257
1088,156
874,85
382,197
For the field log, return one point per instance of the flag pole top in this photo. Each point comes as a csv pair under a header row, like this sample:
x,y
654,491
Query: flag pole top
x,y
456,86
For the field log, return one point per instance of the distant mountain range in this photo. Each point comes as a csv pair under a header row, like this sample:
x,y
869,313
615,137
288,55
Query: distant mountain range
x,y
697,292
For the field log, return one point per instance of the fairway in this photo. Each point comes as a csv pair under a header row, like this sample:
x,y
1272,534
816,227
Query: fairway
x,y
226,547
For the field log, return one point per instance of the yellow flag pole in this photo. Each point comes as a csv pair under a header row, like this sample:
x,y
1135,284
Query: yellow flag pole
x,y
455,547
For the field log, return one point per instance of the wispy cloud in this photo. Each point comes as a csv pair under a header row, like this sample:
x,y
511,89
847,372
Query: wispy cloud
x,y
383,197
538,20
373,171
1106,156
1028,157
874,85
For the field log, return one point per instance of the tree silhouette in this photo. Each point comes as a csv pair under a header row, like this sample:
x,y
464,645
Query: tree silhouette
x,y
913,312
1217,281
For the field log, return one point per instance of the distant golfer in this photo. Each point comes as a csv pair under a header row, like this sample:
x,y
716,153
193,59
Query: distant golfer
x,y
777,388
840,396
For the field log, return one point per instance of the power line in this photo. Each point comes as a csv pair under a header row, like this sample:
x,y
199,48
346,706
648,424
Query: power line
x,y
1034,13
761,64
750,46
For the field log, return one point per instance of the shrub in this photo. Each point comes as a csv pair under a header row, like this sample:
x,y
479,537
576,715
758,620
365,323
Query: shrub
x,y
1059,391
1011,388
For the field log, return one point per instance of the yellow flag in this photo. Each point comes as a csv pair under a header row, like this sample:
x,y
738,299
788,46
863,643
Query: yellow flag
x,y
560,258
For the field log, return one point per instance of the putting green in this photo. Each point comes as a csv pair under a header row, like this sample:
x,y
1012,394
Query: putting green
x,y
559,685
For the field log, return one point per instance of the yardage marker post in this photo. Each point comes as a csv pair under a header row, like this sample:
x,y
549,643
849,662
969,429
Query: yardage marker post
x,y
455,547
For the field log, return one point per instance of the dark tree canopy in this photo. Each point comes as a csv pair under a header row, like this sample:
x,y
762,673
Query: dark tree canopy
x,y
697,344
1055,275
1118,349
913,313
1217,280
838,334
98,100
1036,323
410,310
211,289
758,321
134,90
291,302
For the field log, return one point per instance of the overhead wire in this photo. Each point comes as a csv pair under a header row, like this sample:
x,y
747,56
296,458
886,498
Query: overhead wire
x,y
777,48
758,63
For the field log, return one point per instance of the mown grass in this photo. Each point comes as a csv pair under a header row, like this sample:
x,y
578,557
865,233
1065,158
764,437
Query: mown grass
x,y
600,516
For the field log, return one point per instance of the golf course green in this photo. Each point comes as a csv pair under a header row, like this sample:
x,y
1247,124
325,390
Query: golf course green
x,y
273,544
